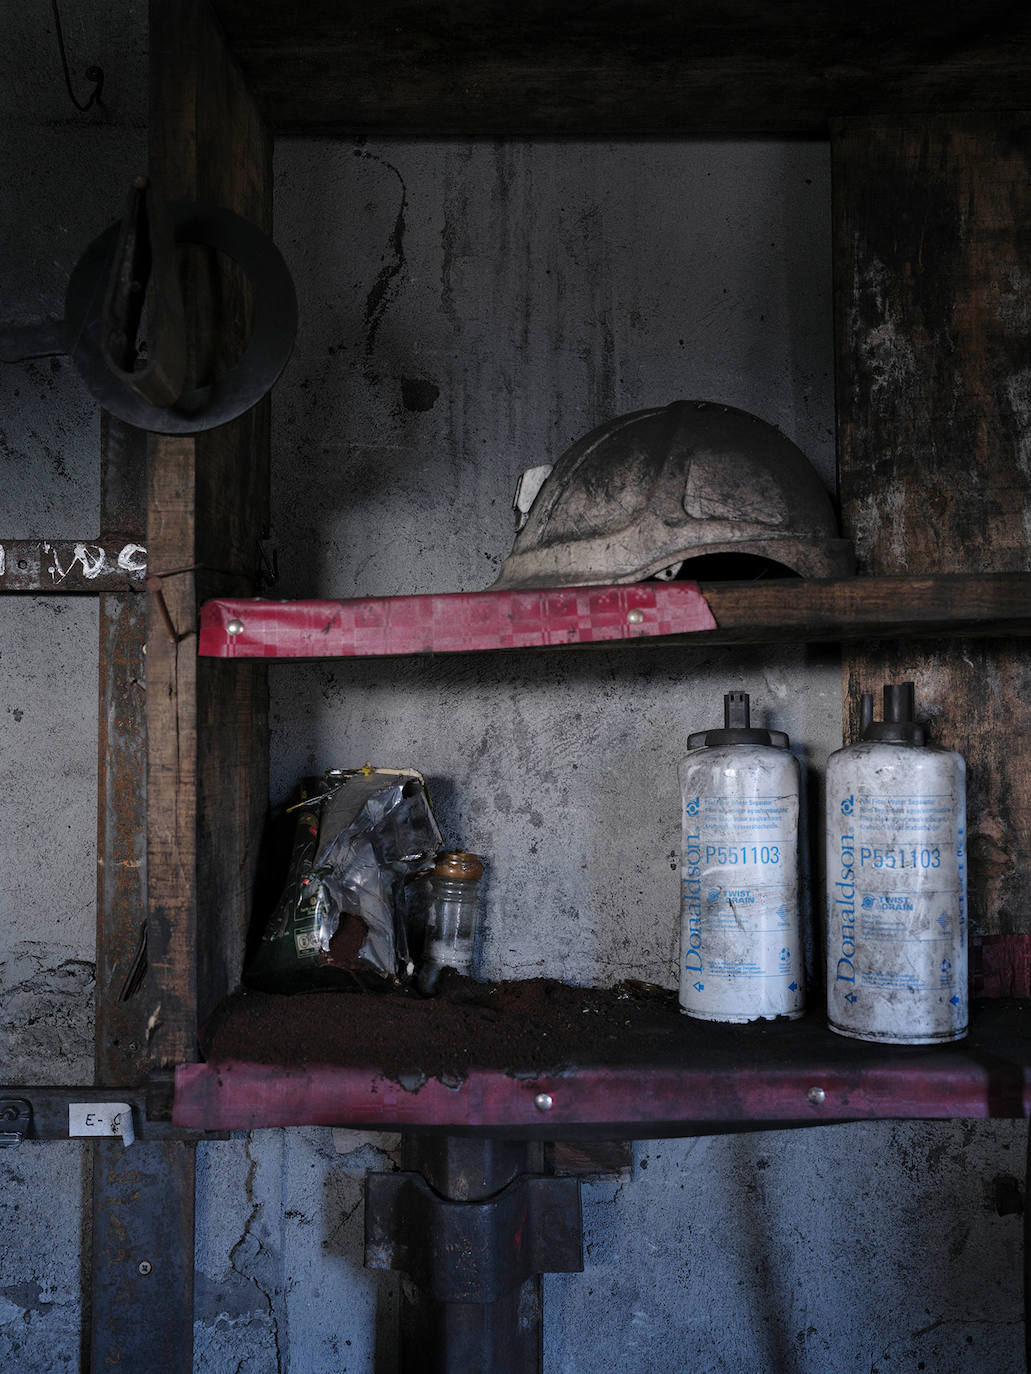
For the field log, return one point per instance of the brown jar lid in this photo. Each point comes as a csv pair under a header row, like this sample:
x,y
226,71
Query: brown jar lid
x,y
456,863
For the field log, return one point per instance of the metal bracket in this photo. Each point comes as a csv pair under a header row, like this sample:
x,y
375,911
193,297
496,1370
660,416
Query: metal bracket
x,y
15,1120
473,1252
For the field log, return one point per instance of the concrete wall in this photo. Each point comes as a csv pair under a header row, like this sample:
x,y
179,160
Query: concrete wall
x,y
466,311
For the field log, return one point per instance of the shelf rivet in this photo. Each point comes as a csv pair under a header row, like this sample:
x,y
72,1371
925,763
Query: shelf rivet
x,y
634,617
234,627
817,1096
543,1102
144,1267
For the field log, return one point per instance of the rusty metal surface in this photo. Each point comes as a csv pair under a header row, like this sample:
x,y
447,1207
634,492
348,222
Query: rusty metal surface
x,y
142,1293
694,1078
48,1111
116,563
473,1252
15,1120
473,1223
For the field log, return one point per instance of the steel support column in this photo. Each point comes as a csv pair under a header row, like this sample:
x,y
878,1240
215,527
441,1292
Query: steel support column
x,y
142,1299
473,1223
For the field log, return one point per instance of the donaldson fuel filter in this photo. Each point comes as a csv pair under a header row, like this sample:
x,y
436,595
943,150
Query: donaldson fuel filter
x,y
740,944
896,882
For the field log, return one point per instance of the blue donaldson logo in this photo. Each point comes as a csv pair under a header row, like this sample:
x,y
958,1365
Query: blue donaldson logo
x,y
848,806
843,907
692,807
692,894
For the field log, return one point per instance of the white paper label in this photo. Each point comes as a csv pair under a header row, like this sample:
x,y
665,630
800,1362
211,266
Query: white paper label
x,y
101,1118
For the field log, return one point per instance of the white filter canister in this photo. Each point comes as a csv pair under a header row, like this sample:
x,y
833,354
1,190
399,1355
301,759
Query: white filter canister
x,y
896,884
741,956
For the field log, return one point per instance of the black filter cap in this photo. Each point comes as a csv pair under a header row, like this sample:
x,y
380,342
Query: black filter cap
x,y
899,725
737,728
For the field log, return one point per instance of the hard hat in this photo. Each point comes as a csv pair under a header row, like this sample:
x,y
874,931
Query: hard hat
x,y
642,493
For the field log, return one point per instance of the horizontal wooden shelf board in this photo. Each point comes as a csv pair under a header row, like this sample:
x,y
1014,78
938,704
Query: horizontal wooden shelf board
x,y
550,67
477,1057
716,613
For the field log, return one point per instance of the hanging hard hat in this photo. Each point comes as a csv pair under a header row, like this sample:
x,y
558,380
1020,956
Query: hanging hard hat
x,y
642,493
131,273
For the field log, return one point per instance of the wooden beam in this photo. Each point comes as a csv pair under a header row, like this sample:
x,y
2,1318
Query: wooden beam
x,y
870,607
207,786
476,68
934,413
121,1016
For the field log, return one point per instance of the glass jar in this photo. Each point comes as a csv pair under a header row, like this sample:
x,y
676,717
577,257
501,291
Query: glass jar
x,y
451,917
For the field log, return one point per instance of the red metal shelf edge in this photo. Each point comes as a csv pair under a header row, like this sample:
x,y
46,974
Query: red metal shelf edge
x,y
234,1095
454,622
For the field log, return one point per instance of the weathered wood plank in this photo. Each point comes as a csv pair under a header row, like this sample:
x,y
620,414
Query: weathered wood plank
x,y
870,607
121,1040
934,412
663,67
208,510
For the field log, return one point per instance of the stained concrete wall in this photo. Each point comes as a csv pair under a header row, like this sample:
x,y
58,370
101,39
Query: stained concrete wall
x,y
473,311
63,176
466,311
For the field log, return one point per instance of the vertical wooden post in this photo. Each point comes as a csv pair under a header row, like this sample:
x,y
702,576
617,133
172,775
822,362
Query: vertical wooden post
x,y
207,497
121,1029
932,266
205,748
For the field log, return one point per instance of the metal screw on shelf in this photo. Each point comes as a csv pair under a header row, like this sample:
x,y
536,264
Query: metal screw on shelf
x,y
817,1096
543,1102
145,1267
635,617
234,627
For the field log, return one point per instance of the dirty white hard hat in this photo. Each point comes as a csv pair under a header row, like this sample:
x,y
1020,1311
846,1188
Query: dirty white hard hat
x,y
644,492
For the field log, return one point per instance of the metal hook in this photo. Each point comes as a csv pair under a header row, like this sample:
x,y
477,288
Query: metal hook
x,y
93,73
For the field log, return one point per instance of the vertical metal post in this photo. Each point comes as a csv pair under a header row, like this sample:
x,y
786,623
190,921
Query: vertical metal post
x,y
142,1301
473,1223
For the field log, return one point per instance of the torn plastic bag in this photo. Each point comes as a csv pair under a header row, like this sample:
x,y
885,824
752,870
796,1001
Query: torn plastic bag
x,y
342,916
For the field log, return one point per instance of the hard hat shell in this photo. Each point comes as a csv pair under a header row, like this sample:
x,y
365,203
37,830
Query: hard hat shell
x,y
649,489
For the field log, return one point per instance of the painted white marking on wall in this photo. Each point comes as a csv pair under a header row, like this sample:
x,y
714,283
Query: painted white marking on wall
x,y
3,560
91,557
133,558
93,560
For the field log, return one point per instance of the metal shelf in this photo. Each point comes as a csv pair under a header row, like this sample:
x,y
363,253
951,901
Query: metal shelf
x,y
670,1075
716,613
